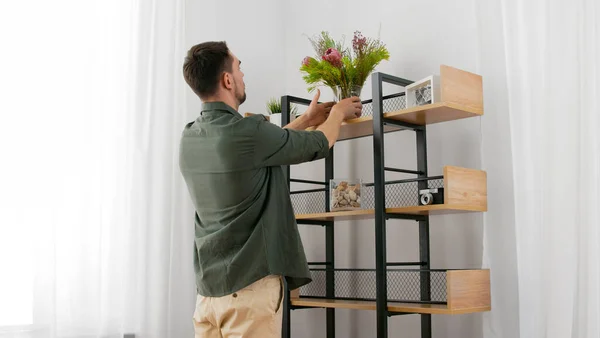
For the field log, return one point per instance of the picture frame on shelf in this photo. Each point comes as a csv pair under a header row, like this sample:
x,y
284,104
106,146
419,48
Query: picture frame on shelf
x,y
423,92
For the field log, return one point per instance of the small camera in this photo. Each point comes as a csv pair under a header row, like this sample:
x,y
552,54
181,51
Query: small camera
x,y
431,196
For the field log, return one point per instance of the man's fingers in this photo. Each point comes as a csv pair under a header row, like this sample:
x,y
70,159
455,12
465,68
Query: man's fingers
x,y
315,99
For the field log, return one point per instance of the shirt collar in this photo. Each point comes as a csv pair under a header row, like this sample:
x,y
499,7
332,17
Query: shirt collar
x,y
221,106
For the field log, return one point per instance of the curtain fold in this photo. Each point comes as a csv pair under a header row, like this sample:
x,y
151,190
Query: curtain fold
x,y
105,215
550,54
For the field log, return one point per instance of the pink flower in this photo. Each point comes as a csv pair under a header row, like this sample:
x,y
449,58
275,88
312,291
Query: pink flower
x,y
334,57
359,41
307,61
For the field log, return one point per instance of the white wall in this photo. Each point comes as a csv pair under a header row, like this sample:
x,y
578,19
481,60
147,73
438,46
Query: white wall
x,y
253,33
269,37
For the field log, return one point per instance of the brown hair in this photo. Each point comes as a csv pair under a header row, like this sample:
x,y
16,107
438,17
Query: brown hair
x,y
204,65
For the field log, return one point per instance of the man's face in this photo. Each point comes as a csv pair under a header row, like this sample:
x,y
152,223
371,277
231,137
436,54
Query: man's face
x,y
239,87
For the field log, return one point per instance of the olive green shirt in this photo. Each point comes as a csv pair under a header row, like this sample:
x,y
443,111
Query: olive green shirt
x,y
245,228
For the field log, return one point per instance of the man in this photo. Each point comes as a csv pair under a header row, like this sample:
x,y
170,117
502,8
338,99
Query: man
x,y
246,237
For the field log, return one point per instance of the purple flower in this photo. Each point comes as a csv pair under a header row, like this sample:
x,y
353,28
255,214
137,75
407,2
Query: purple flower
x,y
359,41
306,61
334,57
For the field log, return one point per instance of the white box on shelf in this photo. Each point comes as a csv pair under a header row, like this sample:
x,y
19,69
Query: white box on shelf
x,y
423,92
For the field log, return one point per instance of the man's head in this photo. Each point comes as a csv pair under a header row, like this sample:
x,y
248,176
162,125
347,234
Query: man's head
x,y
214,73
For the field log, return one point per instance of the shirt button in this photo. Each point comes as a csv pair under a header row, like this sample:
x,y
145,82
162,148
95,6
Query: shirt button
x,y
234,295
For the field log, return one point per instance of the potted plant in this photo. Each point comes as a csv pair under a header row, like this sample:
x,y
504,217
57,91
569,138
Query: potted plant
x,y
274,110
339,68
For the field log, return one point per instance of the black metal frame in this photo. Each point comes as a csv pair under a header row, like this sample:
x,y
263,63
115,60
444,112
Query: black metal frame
x,y
424,252
381,217
286,102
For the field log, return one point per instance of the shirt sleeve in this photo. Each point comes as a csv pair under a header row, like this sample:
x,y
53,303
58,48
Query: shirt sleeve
x,y
279,146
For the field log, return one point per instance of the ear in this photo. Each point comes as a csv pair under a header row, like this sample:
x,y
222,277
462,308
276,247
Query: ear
x,y
227,80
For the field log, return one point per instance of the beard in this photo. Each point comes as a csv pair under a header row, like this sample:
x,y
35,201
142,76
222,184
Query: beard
x,y
240,97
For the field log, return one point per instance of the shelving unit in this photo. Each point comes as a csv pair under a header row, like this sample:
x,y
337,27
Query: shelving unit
x,y
414,288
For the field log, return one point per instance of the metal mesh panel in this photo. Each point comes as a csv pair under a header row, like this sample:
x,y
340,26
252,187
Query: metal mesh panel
x,y
316,288
394,104
389,105
397,195
309,203
403,285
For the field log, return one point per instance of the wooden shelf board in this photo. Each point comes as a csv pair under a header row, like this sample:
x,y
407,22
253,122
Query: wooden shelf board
x,y
339,215
421,115
334,303
436,209
392,306
434,113
434,309
362,126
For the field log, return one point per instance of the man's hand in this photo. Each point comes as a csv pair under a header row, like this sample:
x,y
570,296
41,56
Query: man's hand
x,y
346,109
349,108
317,113
328,116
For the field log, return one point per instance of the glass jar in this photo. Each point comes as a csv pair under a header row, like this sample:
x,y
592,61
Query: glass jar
x,y
345,194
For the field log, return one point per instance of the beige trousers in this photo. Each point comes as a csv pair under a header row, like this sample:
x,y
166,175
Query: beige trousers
x,y
255,311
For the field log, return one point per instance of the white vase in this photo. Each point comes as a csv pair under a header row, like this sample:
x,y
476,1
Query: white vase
x,y
275,119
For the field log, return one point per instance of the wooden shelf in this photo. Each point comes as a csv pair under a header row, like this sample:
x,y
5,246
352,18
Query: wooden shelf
x,y
360,127
467,291
434,309
338,215
461,96
438,209
434,113
465,190
422,115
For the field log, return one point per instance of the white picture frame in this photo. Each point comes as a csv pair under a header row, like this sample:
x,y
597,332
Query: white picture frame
x,y
414,90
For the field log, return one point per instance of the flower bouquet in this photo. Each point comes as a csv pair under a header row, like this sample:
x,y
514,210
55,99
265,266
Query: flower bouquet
x,y
341,69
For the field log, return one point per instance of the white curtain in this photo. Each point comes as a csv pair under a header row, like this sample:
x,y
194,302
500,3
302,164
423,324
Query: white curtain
x,y
95,221
550,51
